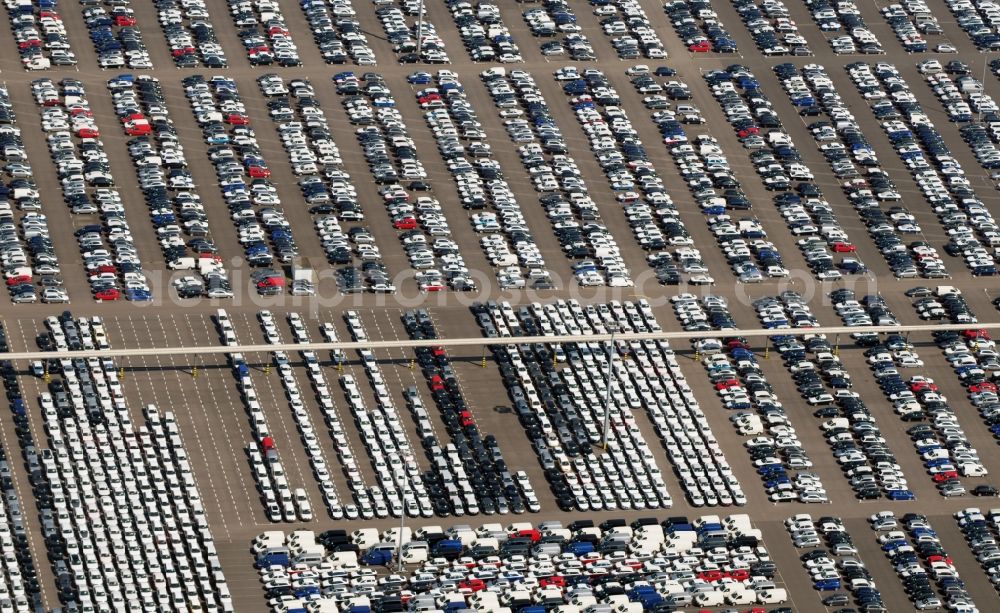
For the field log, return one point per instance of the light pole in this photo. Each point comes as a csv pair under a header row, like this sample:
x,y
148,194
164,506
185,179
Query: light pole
x,y
607,392
420,29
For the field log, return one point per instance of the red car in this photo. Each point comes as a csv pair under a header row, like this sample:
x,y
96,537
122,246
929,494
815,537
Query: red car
x,y
235,119
983,334
553,581
844,248
465,418
473,585
700,47
259,172
108,294
745,132
710,575
532,534
437,383
985,386
89,133
923,386
948,475
406,223
124,20
19,279
724,385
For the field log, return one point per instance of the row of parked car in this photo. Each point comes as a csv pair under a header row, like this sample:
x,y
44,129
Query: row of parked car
x,y
972,355
188,30
462,141
481,461
365,498
865,183
580,567
40,34
939,175
849,427
928,573
545,156
557,20
116,37
273,485
845,17
392,155
404,488
20,589
413,40
757,413
242,172
965,99
483,32
699,27
772,28
316,159
630,29
562,409
264,33
337,32
310,438
981,530
27,254
980,19
911,21
167,184
624,159
835,568
651,213
123,522
942,444
111,258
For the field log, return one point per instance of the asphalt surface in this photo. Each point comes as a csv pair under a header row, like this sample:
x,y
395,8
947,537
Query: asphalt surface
x,y
202,393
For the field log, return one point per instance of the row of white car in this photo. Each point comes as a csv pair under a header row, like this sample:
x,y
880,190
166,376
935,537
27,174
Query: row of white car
x,y
300,413
401,488
362,493
127,528
272,480
707,562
